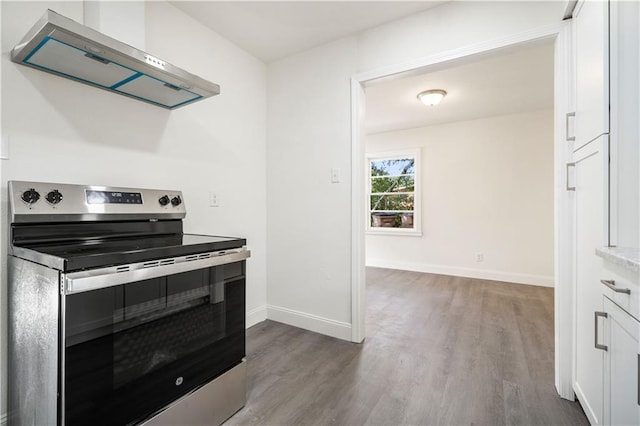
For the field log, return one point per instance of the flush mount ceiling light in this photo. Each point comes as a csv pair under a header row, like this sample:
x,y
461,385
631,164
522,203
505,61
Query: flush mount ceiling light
x,y
431,97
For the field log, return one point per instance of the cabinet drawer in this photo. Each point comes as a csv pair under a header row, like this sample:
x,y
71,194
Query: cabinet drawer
x,y
623,279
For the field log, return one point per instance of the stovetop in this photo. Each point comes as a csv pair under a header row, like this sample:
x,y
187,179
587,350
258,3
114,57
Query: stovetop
x,y
75,256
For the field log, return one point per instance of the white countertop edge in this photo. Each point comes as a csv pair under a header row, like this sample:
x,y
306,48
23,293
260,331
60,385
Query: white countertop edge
x,y
627,257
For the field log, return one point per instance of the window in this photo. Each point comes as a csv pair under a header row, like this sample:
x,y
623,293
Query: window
x,y
393,196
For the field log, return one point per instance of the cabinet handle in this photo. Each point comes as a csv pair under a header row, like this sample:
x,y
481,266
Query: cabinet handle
x,y
570,188
597,345
566,127
638,379
612,285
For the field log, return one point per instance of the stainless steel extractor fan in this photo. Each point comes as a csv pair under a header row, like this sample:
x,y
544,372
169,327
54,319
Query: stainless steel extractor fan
x,y
64,47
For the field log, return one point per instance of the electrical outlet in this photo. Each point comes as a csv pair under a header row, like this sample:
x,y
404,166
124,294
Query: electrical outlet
x,y
213,199
479,257
335,175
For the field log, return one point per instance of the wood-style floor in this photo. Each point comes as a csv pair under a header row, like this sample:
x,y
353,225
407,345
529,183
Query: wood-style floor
x,y
439,350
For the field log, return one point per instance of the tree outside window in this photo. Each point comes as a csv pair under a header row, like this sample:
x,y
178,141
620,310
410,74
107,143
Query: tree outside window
x,y
392,192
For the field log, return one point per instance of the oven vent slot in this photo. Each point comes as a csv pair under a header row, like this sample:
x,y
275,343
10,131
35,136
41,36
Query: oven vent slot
x,y
167,262
190,258
123,268
204,256
150,264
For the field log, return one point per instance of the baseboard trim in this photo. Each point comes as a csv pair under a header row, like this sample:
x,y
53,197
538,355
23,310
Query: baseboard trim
x,y
510,277
256,315
318,324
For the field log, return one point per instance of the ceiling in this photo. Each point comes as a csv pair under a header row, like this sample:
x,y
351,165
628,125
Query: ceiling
x,y
513,80
271,30
510,81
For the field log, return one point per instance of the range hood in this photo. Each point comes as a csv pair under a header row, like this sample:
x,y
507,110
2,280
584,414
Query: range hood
x,y
61,46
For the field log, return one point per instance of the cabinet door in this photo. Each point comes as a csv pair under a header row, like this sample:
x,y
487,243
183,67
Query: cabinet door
x,y
625,127
591,37
621,366
590,205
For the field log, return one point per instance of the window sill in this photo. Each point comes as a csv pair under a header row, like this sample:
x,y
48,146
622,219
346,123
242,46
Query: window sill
x,y
397,232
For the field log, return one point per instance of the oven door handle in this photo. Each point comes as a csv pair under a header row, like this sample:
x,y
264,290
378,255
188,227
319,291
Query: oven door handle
x,y
79,282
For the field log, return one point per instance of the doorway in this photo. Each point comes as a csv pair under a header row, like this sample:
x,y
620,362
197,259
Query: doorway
x,y
562,274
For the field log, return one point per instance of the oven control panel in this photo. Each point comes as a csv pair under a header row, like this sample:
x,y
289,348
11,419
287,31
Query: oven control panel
x,y
38,201
113,197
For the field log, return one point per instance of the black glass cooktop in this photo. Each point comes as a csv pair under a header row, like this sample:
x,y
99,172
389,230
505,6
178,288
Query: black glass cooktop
x,y
99,252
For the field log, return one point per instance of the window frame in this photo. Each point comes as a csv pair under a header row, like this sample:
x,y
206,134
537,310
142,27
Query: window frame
x,y
417,189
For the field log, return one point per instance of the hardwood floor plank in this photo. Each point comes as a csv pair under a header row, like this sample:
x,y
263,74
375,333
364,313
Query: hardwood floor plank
x,y
515,404
439,350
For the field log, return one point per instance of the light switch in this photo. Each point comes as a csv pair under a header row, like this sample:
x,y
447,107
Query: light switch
x,y
335,175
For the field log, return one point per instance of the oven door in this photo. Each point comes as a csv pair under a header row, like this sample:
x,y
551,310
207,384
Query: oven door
x,y
131,348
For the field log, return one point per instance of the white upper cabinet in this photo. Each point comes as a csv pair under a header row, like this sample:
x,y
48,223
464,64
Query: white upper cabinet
x,y
625,135
591,38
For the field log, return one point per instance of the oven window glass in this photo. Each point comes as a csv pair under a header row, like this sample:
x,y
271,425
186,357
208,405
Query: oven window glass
x,y
134,348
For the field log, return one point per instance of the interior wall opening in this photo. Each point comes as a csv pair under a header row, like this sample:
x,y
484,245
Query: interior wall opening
x,y
555,40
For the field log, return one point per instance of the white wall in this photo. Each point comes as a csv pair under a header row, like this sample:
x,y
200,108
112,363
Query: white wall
x,y
63,131
309,217
487,187
308,133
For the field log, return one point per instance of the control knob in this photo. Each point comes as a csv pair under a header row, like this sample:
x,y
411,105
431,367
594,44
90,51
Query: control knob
x,y
30,196
176,201
164,200
54,197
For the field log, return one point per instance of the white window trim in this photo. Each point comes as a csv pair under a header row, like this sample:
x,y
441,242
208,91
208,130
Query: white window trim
x,y
416,231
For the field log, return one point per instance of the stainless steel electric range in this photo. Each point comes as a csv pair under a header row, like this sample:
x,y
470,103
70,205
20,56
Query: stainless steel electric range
x,y
117,317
